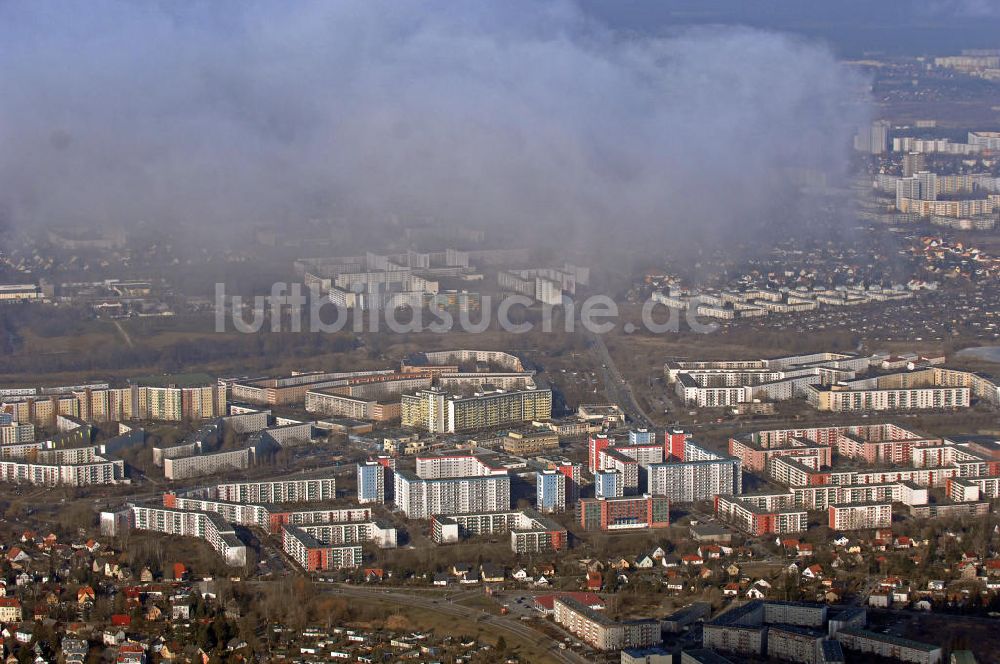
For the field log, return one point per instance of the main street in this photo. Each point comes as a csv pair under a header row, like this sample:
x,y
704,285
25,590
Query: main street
x,y
617,389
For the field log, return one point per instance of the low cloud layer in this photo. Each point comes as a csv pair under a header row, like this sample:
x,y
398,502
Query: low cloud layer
x,y
228,114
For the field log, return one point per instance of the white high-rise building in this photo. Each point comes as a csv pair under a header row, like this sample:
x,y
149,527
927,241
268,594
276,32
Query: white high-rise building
x,y
452,484
550,491
420,498
879,136
608,484
371,482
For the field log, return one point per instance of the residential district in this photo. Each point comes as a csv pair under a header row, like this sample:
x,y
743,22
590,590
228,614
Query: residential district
x,y
444,485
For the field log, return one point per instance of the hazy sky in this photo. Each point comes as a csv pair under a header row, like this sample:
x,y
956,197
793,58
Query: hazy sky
x,y
533,115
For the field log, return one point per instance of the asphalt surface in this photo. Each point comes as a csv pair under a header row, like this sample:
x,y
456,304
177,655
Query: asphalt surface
x,y
616,387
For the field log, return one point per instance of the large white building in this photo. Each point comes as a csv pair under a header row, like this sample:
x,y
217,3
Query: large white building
x,y
546,285
371,481
600,631
439,412
860,516
97,470
757,516
857,397
530,531
208,526
700,475
728,383
278,491
420,499
207,464
452,484
550,491
315,555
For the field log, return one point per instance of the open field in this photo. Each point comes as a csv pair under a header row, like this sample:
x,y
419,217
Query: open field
x,y
446,618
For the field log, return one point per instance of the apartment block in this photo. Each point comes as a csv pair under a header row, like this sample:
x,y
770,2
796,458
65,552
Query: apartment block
x,y
872,443
278,491
278,518
160,454
709,384
573,473
642,449
204,525
463,464
315,556
860,516
700,474
530,531
747,630
550,491
437,412
17,433
288,433
760,520
891,647
608,484
96,471
420,498
372,479
795,644
292,389
601,632
337,405
623,466
929,388
242,514
950,510
207,464
251,421
626,512
102,403
972,489
382,535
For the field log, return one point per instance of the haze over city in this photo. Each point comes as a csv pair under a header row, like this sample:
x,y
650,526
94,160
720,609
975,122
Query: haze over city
x,y
651,332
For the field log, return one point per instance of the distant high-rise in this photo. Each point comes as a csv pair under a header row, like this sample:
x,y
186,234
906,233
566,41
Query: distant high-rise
x,y
879,143
928,185
873,139
920,186
913,162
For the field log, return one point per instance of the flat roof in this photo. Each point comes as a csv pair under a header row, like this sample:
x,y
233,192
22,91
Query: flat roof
x,y
889,638
579,607
177,380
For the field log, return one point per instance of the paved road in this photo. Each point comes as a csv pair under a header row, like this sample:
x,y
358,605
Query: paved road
x,y
617,388
448,607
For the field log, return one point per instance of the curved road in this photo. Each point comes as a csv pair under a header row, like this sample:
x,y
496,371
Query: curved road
x,y
447,607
